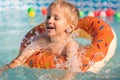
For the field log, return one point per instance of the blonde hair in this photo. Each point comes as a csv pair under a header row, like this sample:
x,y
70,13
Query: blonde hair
x,y
70,11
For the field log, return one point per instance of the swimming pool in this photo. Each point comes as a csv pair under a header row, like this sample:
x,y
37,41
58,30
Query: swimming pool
x,y
15,23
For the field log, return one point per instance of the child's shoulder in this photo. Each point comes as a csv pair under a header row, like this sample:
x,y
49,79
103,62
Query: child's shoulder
x,y
72,43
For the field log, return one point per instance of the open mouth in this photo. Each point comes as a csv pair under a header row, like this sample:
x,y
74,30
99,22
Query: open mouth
x,y
50,27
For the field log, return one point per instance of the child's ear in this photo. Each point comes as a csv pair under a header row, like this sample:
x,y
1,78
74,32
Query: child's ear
x,y
72,26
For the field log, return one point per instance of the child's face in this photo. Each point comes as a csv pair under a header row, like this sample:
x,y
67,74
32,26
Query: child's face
x,y
56,22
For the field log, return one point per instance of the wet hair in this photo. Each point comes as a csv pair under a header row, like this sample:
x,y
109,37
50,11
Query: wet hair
x,y
70,11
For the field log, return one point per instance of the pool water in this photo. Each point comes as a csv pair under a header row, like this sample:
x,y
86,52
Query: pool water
x,y
14,24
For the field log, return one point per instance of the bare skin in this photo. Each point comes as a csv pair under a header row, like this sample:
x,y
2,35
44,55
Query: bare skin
x,y
56,40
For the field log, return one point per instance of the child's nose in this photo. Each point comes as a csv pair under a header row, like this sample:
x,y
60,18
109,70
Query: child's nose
x,y
50,20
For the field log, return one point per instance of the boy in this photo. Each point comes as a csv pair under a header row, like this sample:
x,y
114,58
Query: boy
x,y
62,19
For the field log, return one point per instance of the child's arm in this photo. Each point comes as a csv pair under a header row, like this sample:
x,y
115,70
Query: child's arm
x,y
73,61
21,58
72,56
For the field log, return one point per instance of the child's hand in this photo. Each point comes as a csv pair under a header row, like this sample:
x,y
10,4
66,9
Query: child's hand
x,y
3,69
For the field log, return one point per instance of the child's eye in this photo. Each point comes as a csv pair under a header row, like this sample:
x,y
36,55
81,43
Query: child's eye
x,y
56,18
48,17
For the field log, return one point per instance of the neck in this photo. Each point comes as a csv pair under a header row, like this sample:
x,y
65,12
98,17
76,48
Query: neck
x,y
57,43
59,38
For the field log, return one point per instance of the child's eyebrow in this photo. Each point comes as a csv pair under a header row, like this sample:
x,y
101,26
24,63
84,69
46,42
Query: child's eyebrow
x,y
56,15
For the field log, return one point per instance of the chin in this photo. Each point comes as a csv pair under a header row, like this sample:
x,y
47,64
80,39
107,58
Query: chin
x,y
51,35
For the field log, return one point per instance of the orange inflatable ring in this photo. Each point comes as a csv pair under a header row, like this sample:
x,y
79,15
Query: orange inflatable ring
x,y
103,43
102,48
